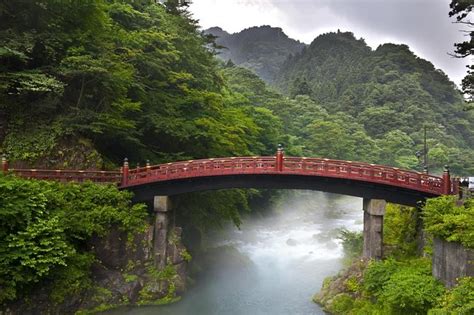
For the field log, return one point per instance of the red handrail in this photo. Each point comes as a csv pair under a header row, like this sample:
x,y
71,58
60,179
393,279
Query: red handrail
x,y
358,171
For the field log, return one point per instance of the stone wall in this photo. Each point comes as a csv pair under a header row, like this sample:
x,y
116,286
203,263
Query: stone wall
x,y
451,260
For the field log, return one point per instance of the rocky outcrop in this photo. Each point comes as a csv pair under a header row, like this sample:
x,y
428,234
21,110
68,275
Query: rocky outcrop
x,y
124,274
341,286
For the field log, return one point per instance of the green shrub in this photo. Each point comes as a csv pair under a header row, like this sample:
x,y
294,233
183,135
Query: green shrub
x,y
377,275
459,300
352,243
410,291
445,219
402,287
341,304
366,307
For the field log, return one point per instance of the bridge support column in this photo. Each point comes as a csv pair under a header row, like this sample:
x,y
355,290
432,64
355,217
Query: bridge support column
x,y
161,206
374,210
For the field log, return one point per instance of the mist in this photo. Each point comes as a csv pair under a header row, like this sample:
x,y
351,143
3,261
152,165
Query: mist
x,y
273,264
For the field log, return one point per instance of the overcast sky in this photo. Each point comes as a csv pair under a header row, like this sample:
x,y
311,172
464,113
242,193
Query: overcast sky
x,y
424,25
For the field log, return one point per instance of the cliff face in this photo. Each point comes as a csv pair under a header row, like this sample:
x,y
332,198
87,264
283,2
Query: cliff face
x,y
124,274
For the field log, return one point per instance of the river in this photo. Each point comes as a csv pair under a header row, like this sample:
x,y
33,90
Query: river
x,y
285,259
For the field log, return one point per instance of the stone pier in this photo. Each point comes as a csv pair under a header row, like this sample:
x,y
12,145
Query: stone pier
x,y
374,210
161,207
168,249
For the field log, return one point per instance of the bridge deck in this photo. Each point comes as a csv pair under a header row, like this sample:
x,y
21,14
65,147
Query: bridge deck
x,y
291,166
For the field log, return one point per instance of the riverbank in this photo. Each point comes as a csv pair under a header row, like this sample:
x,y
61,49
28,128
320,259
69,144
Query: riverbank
x,y
402,283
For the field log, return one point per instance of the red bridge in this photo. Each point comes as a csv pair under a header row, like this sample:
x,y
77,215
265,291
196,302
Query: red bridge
x,y
278,172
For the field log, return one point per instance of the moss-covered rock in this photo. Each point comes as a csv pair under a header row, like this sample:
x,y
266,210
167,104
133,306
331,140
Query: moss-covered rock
x,y
339,292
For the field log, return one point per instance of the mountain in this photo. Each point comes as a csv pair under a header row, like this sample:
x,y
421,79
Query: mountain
x,y
390,91
262,49
375,103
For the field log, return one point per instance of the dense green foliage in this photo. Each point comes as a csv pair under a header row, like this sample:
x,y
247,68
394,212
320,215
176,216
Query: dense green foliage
x,y
402,283
459,300
126,78
262,49
446,219
403,288
45,225
385,287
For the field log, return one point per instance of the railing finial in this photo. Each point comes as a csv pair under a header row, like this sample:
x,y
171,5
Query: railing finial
x,y
125,172
279,158
447,185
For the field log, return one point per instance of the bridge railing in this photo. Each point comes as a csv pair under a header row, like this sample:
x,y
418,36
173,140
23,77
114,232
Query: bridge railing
x,y
250,165
363,171
193,168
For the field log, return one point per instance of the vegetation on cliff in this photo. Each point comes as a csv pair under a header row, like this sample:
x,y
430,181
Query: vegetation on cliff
x,y
45,228
445,218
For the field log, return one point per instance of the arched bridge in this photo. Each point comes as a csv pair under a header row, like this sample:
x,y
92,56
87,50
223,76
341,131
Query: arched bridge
x,y
375,183
359,179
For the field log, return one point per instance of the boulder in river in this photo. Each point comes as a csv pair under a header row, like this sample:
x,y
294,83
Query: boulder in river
x,y
291,242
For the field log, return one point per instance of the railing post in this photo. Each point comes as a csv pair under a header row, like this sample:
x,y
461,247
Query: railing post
x,y
446,181
148,167
279,158
125,172
4,164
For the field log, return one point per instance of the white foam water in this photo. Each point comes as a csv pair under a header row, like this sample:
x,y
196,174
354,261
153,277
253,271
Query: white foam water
x,y
291,252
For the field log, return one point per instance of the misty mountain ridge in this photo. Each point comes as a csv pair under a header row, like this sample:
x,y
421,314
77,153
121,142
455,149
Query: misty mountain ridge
x,y
265,49
262,49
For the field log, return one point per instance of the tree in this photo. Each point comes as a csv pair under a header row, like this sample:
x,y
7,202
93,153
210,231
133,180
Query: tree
x,y
461,9
300,86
